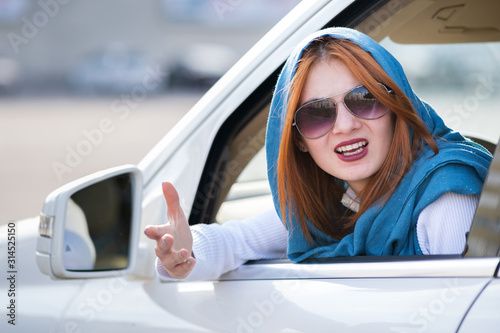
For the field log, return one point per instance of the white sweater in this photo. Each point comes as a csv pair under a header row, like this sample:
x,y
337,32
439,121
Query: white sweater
x,y
441,229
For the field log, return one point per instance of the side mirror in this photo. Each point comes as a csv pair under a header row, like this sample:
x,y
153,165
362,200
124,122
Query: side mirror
x,y
89,227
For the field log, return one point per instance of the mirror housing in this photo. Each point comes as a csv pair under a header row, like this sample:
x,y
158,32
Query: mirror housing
x,y
89,227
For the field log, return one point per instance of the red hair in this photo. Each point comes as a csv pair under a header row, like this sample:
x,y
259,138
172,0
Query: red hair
x,y
314,194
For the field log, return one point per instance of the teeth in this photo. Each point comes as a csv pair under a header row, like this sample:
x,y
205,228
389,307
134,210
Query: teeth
x,y
354,152
347,150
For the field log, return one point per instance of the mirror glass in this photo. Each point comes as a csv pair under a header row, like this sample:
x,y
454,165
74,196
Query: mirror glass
x,y
97,228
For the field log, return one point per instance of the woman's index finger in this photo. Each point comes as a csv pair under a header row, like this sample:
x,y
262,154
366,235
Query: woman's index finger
x,y
172,199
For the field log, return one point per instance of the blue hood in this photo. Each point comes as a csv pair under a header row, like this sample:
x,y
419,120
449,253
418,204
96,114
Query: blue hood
x,y
460,167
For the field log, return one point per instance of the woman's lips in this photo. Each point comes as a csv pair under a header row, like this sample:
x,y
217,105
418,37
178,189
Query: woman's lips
x,y
352,150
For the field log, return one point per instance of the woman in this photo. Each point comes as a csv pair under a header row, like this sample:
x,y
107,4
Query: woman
x,y
357,163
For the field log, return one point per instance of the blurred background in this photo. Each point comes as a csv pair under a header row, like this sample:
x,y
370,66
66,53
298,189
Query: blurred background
x,y
87,85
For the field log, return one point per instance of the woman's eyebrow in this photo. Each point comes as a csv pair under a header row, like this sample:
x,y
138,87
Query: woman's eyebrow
x,y
330,96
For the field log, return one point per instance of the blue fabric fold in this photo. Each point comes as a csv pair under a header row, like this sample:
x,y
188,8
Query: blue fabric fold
x,y
460,167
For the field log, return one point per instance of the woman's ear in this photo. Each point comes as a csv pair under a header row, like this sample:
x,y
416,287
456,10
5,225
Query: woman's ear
x,y
299,143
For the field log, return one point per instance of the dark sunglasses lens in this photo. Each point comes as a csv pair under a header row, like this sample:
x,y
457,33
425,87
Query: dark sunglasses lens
x,y
362,103
316,118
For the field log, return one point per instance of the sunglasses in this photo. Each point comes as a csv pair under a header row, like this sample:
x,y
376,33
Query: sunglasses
x,y
316,118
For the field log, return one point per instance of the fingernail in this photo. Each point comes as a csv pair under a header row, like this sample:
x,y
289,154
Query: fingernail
x,y
189,262
180,255
163,240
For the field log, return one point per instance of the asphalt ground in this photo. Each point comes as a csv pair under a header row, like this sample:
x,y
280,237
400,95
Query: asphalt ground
x,y
46,142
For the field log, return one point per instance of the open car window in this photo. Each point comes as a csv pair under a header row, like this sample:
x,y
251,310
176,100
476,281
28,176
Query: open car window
x,y
462,89
460,81
456,71
250,194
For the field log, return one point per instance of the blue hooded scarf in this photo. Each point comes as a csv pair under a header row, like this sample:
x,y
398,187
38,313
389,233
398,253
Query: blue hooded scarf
x,y
390,229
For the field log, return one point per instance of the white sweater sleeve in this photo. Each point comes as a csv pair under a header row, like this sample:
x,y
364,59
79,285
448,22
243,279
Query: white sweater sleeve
x,y
441,226
219,248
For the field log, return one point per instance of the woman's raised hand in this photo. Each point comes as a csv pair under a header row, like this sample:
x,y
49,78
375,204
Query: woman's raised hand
x,y
174,242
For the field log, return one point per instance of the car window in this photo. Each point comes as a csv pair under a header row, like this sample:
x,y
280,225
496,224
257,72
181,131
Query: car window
x,y
460,81
451,70
250,194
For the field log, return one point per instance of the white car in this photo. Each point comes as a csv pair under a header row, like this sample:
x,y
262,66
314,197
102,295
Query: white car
x,y
89,268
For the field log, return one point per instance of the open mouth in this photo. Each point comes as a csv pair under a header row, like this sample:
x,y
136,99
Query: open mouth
x,y
352,149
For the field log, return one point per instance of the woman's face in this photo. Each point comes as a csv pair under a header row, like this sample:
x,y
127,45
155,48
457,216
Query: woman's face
x,y
367,141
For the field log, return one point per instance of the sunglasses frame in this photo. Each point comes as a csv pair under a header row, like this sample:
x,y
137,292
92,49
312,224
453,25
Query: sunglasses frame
x,y
336,102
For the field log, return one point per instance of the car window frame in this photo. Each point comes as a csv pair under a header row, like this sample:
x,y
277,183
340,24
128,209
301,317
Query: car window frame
x,y
352,16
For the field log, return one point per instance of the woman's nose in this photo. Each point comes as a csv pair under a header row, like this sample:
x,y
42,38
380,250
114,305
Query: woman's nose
x,y
346,122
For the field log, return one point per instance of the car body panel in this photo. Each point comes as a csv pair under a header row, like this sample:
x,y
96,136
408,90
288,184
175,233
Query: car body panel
x,y
313,305
484,315
38,298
